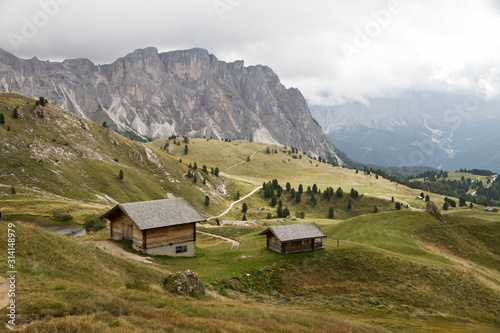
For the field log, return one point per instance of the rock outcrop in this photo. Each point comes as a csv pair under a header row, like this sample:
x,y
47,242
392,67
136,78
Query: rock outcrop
x,y
185,284
154,95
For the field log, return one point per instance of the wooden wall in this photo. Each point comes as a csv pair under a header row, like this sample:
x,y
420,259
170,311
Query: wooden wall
x,y
170,235
123,228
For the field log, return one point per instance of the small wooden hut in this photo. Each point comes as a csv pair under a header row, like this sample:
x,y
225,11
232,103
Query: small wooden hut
x,y
158,227
294,238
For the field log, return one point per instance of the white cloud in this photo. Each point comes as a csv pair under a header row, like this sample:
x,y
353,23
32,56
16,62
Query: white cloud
x,y
443,45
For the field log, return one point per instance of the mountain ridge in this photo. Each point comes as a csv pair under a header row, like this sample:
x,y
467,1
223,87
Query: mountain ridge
x,y
152,95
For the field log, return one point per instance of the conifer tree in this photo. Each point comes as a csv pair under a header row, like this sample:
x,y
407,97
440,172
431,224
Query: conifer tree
x,y
331,213
216,172
186,149
120,175
398,206
349,204
375,209
286,212
301,189
207,200
274,201
15,115
244,207
2,119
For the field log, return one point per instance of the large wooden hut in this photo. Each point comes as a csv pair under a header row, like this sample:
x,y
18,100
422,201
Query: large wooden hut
x,y
158,227
294,238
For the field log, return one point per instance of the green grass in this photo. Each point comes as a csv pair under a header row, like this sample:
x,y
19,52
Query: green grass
x,y
67,286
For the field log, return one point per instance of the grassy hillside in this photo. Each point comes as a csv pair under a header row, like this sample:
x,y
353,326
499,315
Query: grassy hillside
x,y
66,286
391,270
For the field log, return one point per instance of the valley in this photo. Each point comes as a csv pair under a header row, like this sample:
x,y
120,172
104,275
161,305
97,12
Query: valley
x,y
381,270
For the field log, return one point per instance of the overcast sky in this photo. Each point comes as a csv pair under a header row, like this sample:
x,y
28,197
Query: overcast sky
x,y
332,50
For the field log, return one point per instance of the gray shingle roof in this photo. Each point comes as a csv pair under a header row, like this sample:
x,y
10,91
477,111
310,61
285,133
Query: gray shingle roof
x,y
159,213
288,233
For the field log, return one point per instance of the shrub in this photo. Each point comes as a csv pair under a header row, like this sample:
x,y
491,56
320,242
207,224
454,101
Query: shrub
x,y
59,216
94,223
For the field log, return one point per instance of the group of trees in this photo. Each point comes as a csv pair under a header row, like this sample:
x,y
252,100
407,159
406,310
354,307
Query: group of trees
x,y
274,191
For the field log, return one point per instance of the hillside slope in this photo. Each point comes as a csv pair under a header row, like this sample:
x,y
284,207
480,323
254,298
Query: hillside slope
x,y
155,95
64,154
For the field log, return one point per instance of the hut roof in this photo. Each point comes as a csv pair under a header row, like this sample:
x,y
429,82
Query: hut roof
x,y
158,213
294,232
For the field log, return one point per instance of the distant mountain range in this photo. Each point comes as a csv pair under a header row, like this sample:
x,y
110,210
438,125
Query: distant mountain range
x,y
150,95
440,130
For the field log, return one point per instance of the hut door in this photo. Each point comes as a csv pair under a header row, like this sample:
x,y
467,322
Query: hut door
x,y
128,234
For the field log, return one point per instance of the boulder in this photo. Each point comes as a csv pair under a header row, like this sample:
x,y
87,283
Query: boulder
x,y
185,284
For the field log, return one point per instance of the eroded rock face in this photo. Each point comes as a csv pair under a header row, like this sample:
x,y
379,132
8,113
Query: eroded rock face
x,y
185,284
190,92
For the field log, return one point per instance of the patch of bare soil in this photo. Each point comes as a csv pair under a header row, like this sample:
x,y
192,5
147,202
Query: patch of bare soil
x,y
4,288
116,250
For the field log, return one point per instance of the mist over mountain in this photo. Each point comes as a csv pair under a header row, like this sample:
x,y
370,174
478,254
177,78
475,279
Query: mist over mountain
x,y
441,130
150,95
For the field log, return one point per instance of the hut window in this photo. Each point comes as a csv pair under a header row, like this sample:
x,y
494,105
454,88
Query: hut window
x,y
180,249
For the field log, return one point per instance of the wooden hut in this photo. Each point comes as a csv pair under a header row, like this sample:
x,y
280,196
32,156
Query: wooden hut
x,y
294,238
158,227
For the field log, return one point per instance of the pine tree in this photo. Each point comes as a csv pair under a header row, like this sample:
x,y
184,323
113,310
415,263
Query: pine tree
x,y
207,200
238,195
288,187
269,216
375,209
427,198
204,181
398,206
120,175
186,149
339,192
104,124
315,188
286,212
195,178
8,128
12,190
186,139
331,213
274,201
15,115
204,169
471,205
301,189
297,197
248,158
2,119
268,151
244,218
446,205
392,199
349,204
195,166
216,172
244,207
180,160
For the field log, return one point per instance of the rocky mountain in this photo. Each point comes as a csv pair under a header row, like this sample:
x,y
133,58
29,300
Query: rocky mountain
x,y
147,94
441,130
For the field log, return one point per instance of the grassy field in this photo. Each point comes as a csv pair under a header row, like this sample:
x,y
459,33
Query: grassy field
x,y
386,271
377,279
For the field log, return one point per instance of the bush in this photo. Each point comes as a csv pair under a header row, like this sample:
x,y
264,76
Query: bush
x,y
59,216
94,223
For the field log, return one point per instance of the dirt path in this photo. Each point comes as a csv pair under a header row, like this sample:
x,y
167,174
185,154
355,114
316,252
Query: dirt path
x,y
4,288
488,277
251,156
401,201
233,203
110,247
234,244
